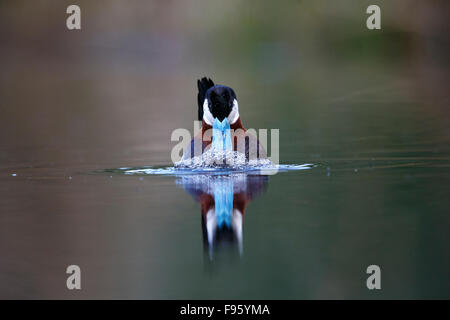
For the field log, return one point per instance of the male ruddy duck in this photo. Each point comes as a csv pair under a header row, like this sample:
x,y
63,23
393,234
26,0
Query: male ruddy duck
x,y
218,109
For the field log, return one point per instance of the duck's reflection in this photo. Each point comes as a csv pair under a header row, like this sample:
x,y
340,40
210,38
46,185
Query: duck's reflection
x,y
223,200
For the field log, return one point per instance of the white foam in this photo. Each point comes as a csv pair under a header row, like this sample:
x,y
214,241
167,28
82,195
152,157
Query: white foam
x,y
218,159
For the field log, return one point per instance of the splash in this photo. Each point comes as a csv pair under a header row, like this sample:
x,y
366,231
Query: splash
x,y
216,159
220,159
211,171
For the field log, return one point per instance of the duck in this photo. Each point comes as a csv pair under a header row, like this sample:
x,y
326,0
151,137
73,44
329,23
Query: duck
x,y
218,108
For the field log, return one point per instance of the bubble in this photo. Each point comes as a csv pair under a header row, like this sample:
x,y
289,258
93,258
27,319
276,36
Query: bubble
x,y
216,159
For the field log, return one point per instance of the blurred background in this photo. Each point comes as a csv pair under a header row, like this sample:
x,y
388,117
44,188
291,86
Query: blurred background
x,y
369,107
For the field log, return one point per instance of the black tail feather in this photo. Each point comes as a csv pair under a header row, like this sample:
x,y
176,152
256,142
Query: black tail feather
x,y
203,85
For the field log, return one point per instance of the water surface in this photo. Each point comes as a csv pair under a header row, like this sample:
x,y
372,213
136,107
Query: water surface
x,y
305,234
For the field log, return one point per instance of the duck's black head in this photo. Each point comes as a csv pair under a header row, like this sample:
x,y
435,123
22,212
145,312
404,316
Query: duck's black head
x,y
220,101
216,101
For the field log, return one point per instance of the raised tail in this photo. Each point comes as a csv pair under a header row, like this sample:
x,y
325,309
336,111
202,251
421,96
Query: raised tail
x,y
203,85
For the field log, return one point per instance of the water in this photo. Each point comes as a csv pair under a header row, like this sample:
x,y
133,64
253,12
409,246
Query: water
x,y
85,142
136,234
142,230
223,192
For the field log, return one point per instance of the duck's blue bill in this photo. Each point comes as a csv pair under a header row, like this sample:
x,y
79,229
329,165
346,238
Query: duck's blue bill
x,y
221,139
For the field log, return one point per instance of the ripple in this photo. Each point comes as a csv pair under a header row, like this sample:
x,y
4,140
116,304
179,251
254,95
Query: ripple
x,y
176,171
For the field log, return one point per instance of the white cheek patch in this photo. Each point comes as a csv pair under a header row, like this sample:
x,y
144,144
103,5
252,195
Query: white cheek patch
x,y
209,118
207,115
234,114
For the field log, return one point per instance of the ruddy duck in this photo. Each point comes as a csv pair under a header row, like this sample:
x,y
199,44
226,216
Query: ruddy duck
x,y
219,112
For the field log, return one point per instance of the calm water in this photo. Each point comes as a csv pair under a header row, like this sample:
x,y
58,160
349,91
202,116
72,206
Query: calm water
x,y
305,234
369,109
